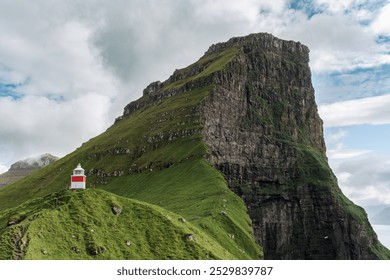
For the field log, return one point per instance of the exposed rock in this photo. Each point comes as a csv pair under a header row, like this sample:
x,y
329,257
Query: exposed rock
x,y
116,210
95,250
12,222
182,220
76,250
190,237
263,132
265,135
35,162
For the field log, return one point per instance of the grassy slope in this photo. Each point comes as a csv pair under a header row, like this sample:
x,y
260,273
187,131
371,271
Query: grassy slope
x,y
160,155
81,225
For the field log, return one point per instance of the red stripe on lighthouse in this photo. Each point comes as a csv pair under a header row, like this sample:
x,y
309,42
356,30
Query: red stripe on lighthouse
x,y
78,179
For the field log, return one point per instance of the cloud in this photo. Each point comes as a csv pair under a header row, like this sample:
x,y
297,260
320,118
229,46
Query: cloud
x,y
341,153
381,24
3,169
335,137
370,110
338,42
336,148
60,62
365,180
354,84
36,125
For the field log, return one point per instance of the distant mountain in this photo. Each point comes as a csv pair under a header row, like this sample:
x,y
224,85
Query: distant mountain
x,y
382,218
25,167
373,210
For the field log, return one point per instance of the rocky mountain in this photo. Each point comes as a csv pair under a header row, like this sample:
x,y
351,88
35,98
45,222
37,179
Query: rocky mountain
x,y
263,132
25,167
232,144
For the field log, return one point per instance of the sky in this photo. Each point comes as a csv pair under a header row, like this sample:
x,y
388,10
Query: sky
x,y
67,69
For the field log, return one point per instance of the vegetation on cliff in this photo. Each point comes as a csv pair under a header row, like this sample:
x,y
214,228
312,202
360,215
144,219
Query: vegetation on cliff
x,y
232,145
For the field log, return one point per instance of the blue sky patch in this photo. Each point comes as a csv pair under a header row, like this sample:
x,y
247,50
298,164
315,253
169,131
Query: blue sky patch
x,y
362,137
353,84
9,90
307,7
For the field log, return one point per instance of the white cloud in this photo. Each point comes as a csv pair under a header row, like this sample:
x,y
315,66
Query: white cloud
x,y
36,125
334,154
335,137
365,180
381,24
337,42
3,169
337,6
355,84
60,62
337,150
370,110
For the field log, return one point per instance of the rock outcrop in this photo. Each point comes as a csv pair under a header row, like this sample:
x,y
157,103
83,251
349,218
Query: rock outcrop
x,y
263,132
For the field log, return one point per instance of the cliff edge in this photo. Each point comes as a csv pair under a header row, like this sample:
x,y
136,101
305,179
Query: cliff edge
x,y
263,132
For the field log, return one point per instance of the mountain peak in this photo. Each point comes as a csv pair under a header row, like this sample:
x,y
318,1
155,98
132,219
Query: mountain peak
x,y
25,167
34,162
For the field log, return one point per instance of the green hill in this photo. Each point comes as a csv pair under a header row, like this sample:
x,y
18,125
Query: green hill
x,y
155,155
95,224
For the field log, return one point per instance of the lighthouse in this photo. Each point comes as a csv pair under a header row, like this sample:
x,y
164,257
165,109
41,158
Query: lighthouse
x,y
78,179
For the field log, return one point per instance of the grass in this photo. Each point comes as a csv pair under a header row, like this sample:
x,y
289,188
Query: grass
x,y
152,159
209,64
199,193
83,226
133,134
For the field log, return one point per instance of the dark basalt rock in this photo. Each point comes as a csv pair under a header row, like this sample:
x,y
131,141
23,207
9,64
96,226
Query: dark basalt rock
x,y
263,132
265,135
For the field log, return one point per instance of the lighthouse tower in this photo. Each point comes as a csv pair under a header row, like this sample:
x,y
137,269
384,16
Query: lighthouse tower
x,y
78,179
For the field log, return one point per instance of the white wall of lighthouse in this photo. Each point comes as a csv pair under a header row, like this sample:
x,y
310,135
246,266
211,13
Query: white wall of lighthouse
x,y
78,179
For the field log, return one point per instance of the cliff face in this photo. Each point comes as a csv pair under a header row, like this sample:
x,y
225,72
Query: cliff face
x,y
265,135
263,132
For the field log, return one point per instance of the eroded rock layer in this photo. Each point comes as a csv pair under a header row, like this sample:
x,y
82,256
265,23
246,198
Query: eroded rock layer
x,y
263,132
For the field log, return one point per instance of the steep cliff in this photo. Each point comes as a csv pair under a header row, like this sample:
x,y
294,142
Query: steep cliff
x,y
263,132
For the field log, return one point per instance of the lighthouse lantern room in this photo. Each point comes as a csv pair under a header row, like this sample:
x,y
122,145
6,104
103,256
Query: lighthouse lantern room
x,y
78,179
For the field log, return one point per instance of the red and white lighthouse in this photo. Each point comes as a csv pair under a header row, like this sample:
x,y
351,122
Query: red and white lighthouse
x,y
78,179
